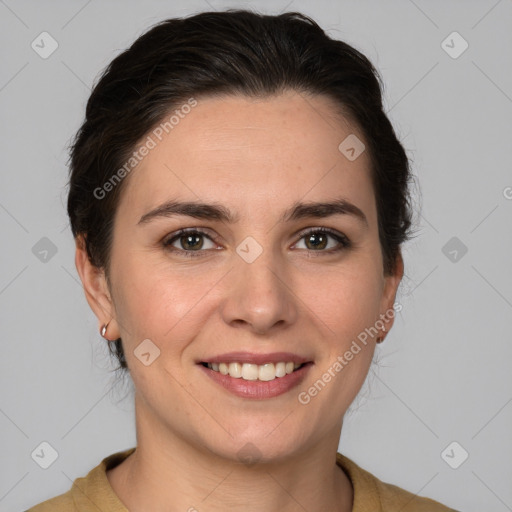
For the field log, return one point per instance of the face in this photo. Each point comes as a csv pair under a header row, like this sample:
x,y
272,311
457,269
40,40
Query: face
x,y
258,277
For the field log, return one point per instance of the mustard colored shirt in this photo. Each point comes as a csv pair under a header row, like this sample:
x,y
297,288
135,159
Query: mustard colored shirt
x,y
93,492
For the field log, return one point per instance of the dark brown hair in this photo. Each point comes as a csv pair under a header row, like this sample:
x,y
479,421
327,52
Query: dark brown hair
x,y
216,53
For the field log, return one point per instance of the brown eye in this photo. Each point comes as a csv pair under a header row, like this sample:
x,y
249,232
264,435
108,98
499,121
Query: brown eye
x,y
187,242
317,240
191,241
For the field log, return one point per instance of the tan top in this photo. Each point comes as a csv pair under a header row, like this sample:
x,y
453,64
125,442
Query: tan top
x,y
93,492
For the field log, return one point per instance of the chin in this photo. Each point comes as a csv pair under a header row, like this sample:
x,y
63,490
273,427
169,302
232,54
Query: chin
x,y
257,444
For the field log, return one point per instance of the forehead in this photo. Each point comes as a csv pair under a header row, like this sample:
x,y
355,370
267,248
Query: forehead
x,y
251,153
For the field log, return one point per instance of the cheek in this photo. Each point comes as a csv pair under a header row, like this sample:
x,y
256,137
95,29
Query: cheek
x,y
347,308
346,300
164,306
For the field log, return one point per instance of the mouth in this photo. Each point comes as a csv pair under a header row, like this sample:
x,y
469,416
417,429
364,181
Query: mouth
x,y
251,372
257,376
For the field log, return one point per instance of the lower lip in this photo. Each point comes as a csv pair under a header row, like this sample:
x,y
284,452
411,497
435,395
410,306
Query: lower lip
x,y
258,389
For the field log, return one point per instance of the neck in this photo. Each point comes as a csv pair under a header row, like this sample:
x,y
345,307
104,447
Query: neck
x,y
166,469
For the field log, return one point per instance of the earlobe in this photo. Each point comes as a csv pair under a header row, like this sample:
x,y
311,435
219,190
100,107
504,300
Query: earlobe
x,y
95,288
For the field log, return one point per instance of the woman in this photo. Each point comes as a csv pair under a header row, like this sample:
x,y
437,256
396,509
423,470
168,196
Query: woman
x,y
239,199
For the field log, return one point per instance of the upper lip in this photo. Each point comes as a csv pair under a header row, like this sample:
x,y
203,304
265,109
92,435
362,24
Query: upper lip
x,y
249,357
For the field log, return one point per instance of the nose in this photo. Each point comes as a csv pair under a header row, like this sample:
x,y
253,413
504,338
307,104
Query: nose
x,y
259,296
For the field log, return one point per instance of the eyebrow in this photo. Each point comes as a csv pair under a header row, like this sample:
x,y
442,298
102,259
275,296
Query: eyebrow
x,y
297,211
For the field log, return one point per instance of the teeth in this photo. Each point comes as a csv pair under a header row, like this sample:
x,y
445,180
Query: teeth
x,y
235,370
280,369
267,372
248,371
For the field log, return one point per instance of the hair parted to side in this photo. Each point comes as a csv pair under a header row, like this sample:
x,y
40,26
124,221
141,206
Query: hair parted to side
x,y
218,53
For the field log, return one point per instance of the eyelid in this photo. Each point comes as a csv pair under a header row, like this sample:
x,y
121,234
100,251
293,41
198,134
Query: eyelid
x,y
321,229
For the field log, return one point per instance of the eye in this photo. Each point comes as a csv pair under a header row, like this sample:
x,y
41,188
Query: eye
x,y
190,240
191,243
317,240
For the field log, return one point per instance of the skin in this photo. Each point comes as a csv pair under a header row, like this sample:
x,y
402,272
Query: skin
x,y
256,157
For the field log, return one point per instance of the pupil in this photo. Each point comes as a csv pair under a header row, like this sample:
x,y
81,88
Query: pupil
x,y
190,238
322,242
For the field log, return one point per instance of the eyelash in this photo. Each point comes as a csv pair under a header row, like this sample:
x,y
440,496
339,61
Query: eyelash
x,y
344,242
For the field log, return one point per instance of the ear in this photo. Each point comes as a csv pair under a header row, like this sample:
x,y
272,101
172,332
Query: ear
x,y
96,290
391,283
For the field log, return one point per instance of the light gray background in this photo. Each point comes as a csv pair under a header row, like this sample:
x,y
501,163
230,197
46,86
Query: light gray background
x,y
442,375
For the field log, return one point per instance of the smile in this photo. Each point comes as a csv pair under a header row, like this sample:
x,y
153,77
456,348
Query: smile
x,y
257,381
247,371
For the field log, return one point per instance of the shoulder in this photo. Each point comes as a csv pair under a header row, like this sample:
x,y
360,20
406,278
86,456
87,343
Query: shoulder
x,y
62,503
89,492
392,496
370,493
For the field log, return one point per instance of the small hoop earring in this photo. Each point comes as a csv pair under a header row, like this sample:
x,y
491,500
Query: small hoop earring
x,y
103,330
